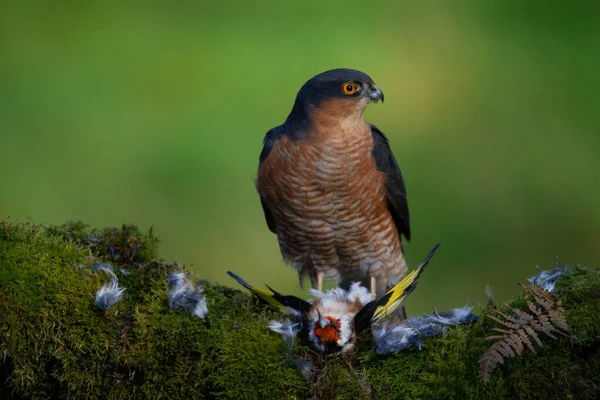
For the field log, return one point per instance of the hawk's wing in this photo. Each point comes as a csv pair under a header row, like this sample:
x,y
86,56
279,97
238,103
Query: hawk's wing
x,y
268,216
271,137
395,189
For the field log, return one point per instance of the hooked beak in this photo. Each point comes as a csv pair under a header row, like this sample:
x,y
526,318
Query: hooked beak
x,y
376,94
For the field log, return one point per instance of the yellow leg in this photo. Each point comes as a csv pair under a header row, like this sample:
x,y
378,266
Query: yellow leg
x,y
373,286
320,281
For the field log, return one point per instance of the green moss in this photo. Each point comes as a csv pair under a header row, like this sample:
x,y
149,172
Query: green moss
x,y
55,343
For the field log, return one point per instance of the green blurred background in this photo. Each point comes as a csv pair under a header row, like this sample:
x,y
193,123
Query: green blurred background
x,y
155,114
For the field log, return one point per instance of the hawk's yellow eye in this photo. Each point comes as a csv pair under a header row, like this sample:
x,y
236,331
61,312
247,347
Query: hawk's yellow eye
x,y
349,88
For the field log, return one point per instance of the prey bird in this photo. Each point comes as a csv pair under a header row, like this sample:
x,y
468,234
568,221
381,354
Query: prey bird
x,y
332,321
331,189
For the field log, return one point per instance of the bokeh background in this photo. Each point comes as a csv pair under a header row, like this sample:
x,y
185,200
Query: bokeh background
x,y
155,114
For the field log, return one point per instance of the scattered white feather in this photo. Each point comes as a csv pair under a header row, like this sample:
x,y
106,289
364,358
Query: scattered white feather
x,y
305,367
184,296
489,292
104,267
454,316
288,330
110,293
390,339
546,279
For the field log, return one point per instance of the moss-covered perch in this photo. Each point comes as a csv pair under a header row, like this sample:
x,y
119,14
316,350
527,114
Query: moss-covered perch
x,y
55,343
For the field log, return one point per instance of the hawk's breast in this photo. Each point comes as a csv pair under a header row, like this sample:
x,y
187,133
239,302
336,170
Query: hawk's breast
x,y
328,200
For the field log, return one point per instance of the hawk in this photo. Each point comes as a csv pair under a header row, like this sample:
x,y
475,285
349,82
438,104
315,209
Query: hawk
x,y
331,189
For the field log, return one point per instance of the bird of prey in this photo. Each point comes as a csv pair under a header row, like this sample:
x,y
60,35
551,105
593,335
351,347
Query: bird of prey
x,y
332,321
331,189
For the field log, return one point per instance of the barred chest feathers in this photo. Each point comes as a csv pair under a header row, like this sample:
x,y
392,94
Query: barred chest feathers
x,y
329,202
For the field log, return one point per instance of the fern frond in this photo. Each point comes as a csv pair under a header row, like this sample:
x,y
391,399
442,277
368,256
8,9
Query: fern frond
x,y
515,341
528,330
521,329
523,314
505,321
493,337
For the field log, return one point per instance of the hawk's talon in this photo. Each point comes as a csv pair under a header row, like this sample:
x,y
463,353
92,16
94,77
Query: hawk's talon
x,y
374,286
320,281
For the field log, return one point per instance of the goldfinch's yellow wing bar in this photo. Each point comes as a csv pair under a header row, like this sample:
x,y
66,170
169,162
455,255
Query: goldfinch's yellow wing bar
x,y
273,298
261,293
398,293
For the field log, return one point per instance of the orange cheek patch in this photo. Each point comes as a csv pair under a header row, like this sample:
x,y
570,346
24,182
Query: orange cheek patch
x,y
330,333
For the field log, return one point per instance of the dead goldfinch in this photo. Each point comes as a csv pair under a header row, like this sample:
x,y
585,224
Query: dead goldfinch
x,y
332,320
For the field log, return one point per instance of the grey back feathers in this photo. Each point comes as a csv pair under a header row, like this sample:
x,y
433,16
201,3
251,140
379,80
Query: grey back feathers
x,y
411,332
183,295
110,293
546,279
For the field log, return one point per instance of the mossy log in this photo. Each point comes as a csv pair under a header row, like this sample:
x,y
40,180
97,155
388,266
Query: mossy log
x,y
54,343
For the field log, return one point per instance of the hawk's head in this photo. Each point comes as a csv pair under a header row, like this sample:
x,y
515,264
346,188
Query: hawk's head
x,y
339,93
340,83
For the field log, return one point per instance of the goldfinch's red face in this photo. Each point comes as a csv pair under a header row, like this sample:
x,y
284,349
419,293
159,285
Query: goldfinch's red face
x,y
330,320
330,333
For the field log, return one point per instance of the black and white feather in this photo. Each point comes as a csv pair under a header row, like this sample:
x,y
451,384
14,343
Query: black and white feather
x,y
392,339
183,295
546,279
110,293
